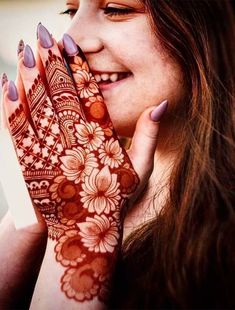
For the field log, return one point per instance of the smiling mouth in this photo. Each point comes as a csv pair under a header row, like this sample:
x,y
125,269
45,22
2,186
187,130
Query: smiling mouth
x,y
108,78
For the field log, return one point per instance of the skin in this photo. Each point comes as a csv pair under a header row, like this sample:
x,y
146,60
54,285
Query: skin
x,y
120,43
41,110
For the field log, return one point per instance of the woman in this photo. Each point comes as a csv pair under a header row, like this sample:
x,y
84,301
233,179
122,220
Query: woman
x,y
176,247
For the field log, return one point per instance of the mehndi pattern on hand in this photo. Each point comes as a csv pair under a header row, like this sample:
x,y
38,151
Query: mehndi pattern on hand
x,y
78,174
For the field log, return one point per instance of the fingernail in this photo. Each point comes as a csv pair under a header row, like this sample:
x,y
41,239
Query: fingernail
x,y
69,45
37,28
12,91
20,47
44,36
4,79
158,112
29,60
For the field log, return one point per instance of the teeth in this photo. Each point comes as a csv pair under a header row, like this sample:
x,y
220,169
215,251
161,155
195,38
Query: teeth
x,y
98,78
114,77
105,76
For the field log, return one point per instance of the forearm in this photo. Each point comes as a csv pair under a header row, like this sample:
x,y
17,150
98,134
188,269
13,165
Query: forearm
x,y
77,287
21,256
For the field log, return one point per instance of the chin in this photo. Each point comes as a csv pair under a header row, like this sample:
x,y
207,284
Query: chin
x,y
124,121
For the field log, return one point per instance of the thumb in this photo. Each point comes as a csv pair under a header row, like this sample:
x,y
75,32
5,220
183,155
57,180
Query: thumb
x,y
144,142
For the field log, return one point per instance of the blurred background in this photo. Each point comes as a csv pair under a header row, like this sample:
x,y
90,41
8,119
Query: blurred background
x,y
19,20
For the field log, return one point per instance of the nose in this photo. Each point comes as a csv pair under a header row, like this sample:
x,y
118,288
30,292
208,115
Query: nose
x,y
85,33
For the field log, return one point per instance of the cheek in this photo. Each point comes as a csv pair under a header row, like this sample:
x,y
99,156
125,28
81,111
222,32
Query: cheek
x,y
126,106
129,44
155,78
146,90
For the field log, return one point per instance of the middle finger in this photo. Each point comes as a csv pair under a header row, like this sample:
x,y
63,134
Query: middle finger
x,y
61,87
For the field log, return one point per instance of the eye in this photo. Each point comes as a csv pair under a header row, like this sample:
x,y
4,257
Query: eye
x,y
116,11
70,12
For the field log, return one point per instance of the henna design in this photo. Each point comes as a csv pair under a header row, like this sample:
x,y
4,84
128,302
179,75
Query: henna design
x,y
18,121
64,97
57,76
88,89
77,173
69,112
45,123
27,146
36,95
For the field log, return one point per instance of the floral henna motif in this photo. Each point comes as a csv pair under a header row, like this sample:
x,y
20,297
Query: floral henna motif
x,y
90,95
77,173
111,154
78,163
100,192
99,234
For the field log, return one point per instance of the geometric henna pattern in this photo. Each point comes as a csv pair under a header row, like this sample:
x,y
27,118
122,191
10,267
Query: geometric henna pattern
x,y
63,95
77,173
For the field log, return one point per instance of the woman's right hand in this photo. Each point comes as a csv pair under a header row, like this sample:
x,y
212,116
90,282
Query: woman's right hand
x,y
78,174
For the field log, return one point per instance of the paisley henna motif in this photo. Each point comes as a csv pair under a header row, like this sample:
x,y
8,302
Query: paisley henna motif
x,y
57,76
77,173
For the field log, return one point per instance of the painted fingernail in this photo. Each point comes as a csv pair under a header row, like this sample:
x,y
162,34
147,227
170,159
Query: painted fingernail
x,y
20,47
44,36
37,28
12,91
158,112
29,60
4,79
69,45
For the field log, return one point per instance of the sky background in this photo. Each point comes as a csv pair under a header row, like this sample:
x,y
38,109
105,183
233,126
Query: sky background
x,y
19,20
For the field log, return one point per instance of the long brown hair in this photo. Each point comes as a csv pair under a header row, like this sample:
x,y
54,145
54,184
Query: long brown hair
x,y
185,258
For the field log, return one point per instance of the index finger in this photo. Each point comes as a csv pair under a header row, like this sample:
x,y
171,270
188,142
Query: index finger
x,y
88,90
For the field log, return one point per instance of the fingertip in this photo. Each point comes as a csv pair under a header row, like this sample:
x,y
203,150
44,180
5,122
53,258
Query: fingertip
x,y
69,45
158,112
12,91
44,37
20,47
4,79
28,57
11,99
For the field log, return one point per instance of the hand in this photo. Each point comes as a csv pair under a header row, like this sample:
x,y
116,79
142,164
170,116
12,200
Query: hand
x,y
77,173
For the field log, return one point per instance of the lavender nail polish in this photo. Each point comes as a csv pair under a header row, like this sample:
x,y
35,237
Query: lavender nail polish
x,y
20,47
12,91
158,112
29,60
4,79
69,45
44,36
37,28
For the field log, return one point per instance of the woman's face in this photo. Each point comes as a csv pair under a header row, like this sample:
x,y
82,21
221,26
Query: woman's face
x,y
133,70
